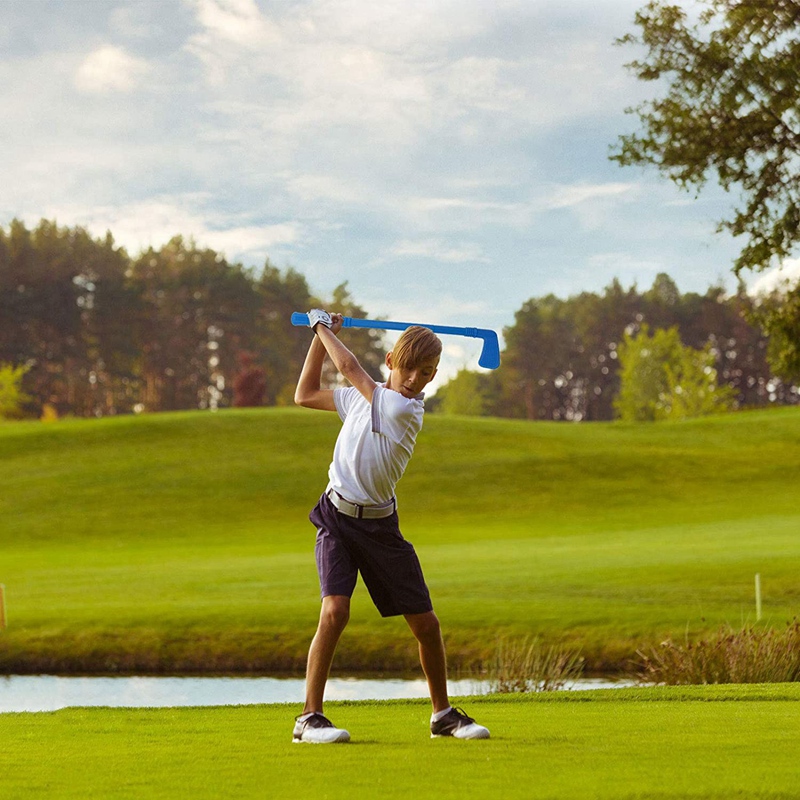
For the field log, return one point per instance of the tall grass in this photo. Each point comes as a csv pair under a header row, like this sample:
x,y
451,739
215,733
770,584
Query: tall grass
x,y
528,666
749,655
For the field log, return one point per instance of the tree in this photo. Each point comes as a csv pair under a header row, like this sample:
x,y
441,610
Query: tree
x,y
779,315
466,393
366,343
730,109
12,398
661,378
282,347
62,292
692,387
539,350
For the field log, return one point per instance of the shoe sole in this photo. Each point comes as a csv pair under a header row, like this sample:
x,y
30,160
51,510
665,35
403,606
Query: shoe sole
x,y
340,740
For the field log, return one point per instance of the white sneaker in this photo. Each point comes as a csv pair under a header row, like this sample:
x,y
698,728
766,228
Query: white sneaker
x,y
318,729
458,725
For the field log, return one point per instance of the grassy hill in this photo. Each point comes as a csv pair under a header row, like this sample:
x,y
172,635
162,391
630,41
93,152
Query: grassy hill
x,y
180,542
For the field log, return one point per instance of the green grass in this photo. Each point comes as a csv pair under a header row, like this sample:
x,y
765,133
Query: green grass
x,y
709,742
180,542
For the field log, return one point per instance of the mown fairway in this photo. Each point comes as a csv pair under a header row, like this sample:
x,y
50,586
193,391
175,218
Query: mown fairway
x,y
656,743
181,542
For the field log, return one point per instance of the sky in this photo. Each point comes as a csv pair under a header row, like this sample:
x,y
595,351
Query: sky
x,y
447,158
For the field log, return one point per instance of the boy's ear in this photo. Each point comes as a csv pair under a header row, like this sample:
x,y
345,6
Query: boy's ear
x,y
389,359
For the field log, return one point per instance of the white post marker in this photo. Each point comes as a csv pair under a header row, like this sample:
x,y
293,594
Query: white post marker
x,y
2,606
758,597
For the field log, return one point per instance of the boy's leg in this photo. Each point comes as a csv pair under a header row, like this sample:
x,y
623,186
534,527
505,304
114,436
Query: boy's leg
x,y
426,629
451,721
333,618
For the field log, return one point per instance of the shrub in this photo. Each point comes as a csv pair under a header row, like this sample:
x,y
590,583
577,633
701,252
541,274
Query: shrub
x,y
749,655
528,667
12,398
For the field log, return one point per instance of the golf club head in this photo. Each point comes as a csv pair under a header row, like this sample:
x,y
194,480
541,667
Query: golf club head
x,y
490,354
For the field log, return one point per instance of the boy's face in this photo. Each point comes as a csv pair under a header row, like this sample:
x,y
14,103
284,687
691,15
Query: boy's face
x,y
410,381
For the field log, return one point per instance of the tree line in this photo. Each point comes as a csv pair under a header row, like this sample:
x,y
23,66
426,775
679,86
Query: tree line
x,y
92,331
562,358
99,332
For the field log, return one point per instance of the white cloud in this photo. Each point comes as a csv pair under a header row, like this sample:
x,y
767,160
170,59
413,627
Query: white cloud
x,y
152,223
449,203
110,69
627,268
396,72
570,196
780,278
236,21
324,187
440,250
252,240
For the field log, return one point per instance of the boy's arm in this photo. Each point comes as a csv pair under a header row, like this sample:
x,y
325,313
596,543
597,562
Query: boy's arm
x,y
308,392
344,360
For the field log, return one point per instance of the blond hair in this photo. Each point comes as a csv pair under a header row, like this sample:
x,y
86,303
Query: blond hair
x,y
416,345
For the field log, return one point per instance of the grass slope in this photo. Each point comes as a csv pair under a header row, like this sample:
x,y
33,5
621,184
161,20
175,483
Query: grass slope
x,y
181,542
709,742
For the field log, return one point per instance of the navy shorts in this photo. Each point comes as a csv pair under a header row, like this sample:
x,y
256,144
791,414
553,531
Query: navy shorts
x,y
374,547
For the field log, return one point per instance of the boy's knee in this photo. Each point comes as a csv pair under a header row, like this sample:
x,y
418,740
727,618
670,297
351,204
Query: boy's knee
x,y
426,626
335,611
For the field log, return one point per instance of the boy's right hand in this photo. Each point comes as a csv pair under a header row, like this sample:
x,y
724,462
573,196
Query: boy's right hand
x,y
338,320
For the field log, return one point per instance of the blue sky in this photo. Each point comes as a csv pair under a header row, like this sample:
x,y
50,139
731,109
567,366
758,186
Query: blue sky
x,y
448,158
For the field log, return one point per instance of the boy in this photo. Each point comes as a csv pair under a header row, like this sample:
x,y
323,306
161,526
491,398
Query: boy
x,y
356,518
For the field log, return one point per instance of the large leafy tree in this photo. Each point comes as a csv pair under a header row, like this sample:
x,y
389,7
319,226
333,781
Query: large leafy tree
x,y
728,107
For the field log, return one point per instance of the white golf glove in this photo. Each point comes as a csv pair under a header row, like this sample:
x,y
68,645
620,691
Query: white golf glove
x,y
319,317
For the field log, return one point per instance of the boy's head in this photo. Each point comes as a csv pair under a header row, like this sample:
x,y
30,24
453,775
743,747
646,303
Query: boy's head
x,y
413,360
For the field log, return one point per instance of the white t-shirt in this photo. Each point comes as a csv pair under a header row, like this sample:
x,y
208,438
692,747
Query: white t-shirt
x,y
375,443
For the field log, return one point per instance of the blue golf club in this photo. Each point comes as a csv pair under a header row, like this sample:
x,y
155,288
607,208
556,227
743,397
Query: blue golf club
x,y
490,353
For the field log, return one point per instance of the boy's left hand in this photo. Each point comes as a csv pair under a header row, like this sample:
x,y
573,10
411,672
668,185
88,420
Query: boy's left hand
x,y
319,317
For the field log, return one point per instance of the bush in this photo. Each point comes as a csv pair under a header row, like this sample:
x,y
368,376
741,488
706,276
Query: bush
x,y
750,655
528,667
12,398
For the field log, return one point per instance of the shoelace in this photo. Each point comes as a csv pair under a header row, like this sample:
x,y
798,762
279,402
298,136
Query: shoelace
x,y
326,723
463,715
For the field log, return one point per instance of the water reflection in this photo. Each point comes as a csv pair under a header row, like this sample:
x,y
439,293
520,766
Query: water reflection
x,y
50,693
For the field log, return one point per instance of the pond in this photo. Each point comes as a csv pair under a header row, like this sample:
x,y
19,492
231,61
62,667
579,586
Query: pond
x,y
51,692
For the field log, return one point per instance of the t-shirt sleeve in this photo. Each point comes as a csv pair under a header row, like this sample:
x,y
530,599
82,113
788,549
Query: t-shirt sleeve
x,y
393,414
343,400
